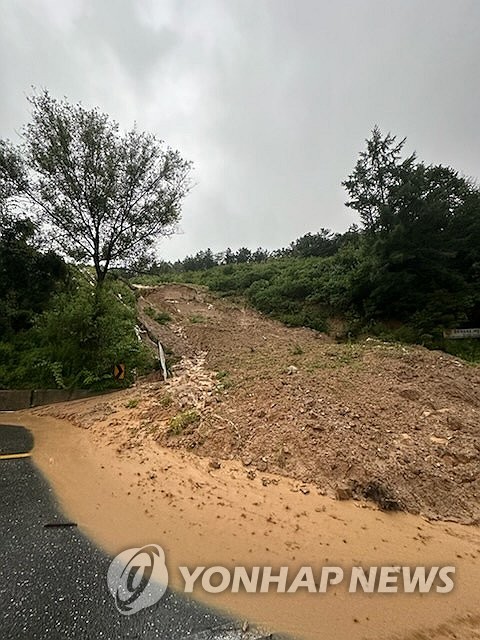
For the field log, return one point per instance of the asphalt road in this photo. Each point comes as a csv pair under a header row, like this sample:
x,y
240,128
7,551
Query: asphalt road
x,y
53,579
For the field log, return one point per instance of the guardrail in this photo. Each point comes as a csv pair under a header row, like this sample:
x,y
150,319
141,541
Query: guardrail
x,y
16,399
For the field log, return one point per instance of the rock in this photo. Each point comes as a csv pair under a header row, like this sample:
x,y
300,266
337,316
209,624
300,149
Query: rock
x,y
466,455
305,490
214,464
251,475
454,423
410,394
343,492
292,369
261,465
247,461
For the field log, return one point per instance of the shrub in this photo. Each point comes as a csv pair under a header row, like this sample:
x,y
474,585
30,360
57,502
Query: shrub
x,y
181,421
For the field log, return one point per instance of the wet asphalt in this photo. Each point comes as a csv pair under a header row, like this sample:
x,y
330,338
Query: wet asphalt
x,y
53,579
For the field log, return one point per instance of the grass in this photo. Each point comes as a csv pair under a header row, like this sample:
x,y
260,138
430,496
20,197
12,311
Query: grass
x,y
343,356
166,401
224,382
181,421
197,319
161,317
132,403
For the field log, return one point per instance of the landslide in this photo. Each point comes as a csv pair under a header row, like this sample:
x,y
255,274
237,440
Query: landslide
x,y
395,424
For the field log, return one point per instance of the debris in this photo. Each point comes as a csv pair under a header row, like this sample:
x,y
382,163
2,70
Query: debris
x,y
343,492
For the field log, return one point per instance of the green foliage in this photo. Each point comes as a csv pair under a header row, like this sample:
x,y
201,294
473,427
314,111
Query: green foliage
x,y
160,317
182,421
77,341
28,276
467,349
132,403
166,401
106,195
224,380
422,237
89,330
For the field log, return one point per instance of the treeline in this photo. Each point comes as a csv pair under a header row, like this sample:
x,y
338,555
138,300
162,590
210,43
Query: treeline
x,y
410,272
321,244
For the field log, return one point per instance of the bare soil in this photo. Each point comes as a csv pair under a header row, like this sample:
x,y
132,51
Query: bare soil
x,y
395,424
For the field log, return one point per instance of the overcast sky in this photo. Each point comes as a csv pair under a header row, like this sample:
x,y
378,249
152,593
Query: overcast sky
x,y
271,99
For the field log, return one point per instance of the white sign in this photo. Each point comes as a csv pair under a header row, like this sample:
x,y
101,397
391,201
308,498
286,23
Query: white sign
x,y
457,334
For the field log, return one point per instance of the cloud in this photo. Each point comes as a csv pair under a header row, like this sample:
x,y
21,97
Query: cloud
x,y
272,100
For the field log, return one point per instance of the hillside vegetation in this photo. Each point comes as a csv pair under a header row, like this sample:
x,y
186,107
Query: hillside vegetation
x,y
409,273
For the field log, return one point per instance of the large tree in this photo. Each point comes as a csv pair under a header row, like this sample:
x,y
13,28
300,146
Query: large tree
x,y
422,235
372,185
106,195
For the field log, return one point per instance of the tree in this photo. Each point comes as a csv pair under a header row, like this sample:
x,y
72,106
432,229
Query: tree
x,y
323,243
243,255
228,257
422,263
378,171
106,195
260,255
12,174
28,277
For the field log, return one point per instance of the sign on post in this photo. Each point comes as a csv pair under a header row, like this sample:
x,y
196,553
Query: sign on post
x,y
119,371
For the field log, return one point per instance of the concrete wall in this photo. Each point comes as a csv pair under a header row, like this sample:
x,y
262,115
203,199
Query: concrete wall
x,y
14,400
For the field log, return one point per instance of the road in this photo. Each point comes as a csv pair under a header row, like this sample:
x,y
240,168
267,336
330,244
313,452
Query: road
x,y
53,579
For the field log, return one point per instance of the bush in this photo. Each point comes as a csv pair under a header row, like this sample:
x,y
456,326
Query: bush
x,y
160,317
78,341
182,421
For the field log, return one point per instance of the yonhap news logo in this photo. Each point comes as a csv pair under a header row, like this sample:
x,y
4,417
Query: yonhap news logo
x,y
138,578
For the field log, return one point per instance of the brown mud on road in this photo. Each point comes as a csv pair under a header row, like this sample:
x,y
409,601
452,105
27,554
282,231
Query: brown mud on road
x,y
205,515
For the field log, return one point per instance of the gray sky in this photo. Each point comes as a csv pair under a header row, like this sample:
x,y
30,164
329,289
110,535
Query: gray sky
x,y
271,99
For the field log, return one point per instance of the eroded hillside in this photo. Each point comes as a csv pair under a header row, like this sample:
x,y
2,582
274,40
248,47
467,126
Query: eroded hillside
x,y
395,424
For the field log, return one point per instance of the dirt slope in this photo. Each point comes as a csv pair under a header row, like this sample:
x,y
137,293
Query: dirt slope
x,y
399,425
